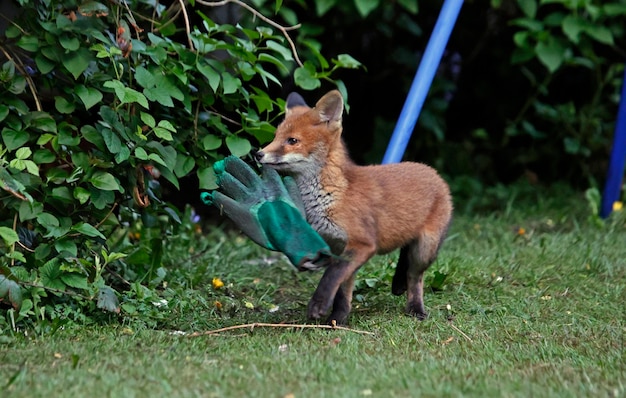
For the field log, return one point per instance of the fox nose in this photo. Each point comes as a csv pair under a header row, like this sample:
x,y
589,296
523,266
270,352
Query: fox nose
x,y
259,155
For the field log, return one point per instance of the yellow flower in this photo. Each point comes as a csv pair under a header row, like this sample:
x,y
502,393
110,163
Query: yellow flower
x,y
521,231
217,283
617,206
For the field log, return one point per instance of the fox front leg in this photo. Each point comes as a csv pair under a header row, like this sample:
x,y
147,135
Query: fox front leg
x,y
335,286
327,289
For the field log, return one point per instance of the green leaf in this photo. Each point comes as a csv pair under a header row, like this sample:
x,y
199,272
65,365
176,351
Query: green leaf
x,y
8,235
67,245
88,229
93,136
77,62
75,280
29,43
63,106
279,48
29,211
238,146
125,94
11,290
346,61
411,6
148,119
90,96
43,156
211,142
207,178
4,112
67,135
44,65
184,165
550,53
105,181
112,141
230,83
364,7
107,300
81,194
23,153
69,43
31,167
41,121
100,198
160,95
304,77
322,6
528,7
438,280
47,220
163,134
141,153
600,33
157,159
211,75
14,139
50,275
144,77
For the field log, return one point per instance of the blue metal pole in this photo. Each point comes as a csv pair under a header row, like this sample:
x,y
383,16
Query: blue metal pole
x,y
615,172
422,81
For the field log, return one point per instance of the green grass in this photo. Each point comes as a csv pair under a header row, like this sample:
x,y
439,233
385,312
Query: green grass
x,y
538,314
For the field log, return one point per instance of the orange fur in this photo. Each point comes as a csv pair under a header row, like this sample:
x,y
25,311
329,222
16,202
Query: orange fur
x,y
359,210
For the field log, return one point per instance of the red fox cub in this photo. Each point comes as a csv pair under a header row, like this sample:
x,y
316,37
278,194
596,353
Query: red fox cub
x,y
359,210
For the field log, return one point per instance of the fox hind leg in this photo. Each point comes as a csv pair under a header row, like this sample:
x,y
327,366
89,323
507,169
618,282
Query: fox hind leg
x,y
421,255
399,282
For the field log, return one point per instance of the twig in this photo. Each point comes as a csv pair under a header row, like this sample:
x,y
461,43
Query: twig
x,y
53,290
13,245
225,118
251,326
120,277
187,27
460,331
23,246
107,216
31,84
283,29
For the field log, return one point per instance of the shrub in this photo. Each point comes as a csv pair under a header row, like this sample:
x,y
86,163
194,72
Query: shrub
x,y
103,105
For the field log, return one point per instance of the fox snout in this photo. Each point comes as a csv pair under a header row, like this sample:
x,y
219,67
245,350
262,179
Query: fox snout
x,y
258,155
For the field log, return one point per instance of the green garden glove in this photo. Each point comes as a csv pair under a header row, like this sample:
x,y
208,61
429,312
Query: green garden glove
x,y
268,210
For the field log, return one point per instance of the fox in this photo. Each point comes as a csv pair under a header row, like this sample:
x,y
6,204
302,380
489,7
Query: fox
x,y
360,211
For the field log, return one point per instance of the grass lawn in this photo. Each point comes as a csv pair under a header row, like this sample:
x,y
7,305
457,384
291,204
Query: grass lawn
x,y
530,302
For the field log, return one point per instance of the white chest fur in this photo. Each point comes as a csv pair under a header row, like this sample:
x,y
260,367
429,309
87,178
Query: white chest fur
x,y
318,205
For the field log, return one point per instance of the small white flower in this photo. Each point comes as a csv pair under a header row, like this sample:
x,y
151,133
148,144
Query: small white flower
x,y
160,303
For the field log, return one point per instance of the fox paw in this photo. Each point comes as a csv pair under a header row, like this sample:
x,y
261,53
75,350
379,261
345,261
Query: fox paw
x,y
317,309
417,311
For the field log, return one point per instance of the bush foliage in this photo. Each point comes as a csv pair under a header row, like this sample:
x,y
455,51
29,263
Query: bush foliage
x,y
105,104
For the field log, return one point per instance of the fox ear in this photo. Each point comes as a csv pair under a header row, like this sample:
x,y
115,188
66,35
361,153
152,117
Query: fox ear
x,y
293,101
330,107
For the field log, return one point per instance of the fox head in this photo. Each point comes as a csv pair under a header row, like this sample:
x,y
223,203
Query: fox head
x,y
307,136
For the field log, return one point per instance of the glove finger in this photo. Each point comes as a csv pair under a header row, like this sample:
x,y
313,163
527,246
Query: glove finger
x,y
241,171
272,179
240,215
273,184
233,187
294,193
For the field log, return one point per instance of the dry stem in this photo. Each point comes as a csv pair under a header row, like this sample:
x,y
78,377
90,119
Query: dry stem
x,y
251,326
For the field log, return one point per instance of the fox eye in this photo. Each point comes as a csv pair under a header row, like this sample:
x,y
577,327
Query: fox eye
x,y
292,141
